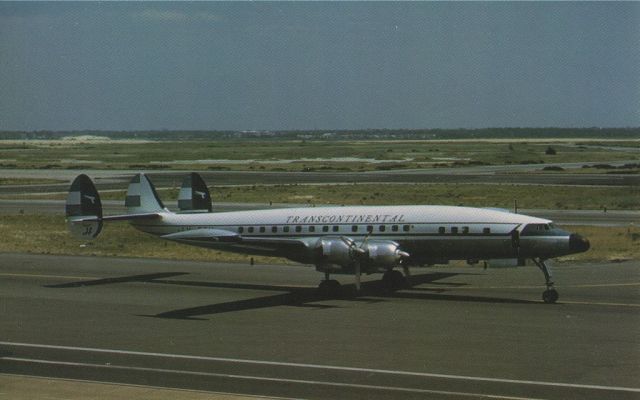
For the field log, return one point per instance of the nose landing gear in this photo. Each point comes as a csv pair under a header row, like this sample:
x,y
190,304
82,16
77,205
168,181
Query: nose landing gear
x,y
550,295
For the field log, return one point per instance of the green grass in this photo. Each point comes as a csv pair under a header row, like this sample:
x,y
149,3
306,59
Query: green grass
x,y
47,234
29,181
473,195
412,154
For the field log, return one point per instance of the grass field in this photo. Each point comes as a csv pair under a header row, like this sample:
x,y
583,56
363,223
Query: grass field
x,y
301,155
474,195
48,234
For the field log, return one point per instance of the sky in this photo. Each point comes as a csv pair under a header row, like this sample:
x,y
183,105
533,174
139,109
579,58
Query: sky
x,y
318,65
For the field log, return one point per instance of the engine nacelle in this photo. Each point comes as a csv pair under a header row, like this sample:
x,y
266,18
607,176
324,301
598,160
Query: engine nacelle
x,y
335,251
383,254
372,255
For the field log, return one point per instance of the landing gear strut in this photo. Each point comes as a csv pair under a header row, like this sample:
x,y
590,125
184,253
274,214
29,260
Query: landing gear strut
x,y
393,280
550,295
329,287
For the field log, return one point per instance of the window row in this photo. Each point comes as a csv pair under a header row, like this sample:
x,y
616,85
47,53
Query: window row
x,y
454,230
324,228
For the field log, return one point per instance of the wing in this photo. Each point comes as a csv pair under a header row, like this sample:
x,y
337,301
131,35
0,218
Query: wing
x,y
225,239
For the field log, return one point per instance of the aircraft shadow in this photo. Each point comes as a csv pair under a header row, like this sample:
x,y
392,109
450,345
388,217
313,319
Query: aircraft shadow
x,y
295,296
122,279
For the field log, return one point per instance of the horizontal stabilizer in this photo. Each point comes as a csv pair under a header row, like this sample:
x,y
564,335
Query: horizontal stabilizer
x,y
124,217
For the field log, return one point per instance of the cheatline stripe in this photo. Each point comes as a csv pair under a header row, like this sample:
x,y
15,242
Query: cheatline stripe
x,y
326,367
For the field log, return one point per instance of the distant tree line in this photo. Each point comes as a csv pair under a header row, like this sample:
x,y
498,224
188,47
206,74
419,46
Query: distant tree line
x,y
409,134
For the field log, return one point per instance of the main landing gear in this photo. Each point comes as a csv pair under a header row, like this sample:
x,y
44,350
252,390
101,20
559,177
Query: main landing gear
x,y
550,295
329,287
393,280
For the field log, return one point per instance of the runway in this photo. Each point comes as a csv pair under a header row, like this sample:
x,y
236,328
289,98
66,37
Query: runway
x,y
261,330
524,174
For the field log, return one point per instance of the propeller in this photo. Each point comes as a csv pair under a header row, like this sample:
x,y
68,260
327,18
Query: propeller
x,y
515,241
357,253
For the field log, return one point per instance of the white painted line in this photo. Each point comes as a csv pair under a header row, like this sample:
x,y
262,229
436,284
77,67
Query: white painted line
x,y
326,367
48,276
589,303
531,286
267,379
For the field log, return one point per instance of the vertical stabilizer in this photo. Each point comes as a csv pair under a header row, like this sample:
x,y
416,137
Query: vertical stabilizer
x,y
142,196
194,195
84,209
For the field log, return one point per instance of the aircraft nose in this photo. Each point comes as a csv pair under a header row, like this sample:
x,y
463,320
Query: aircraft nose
x,y
578,243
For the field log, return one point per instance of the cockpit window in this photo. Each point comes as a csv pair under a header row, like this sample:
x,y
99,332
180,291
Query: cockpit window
x,y
541,230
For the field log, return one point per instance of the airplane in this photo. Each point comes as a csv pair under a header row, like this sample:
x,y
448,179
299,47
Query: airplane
x,y
338,239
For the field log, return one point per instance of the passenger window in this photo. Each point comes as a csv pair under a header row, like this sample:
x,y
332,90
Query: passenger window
x,y
454,230
262,229
382,228
274,229
325,229
441,230
394,228
369,228
354,228
405,228
465,230
298,228
285,229
336,228
240,229
486,231
312,228
250,229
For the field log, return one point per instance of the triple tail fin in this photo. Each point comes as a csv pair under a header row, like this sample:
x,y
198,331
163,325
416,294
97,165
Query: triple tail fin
x,y
84,209
194,195
142,197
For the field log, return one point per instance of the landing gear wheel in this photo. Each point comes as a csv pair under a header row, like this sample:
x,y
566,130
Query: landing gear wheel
x,y
394,280
329,288
550,296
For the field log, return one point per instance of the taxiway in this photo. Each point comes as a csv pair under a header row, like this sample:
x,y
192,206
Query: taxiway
x,y
262,330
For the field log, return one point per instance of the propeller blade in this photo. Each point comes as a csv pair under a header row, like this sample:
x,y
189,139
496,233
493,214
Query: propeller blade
x,y
358,274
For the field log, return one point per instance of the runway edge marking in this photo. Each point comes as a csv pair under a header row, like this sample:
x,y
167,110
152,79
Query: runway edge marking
x,y
326,367
268,379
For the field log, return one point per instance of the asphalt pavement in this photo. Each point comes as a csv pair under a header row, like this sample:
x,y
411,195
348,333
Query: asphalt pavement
x,y
263,330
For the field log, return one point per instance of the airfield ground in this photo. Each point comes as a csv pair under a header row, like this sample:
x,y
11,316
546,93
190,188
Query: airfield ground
x,y
217,326
261,330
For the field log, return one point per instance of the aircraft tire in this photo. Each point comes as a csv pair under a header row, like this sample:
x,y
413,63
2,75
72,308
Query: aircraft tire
x,y
329,288
394,280
550,296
